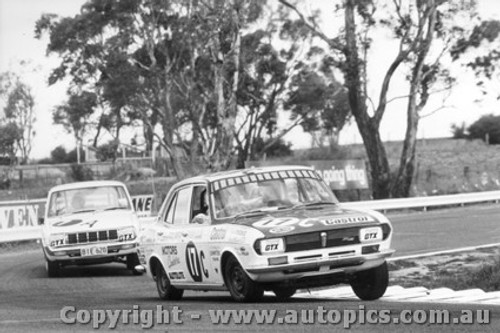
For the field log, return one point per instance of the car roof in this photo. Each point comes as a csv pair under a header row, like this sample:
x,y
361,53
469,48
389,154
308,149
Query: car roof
x,y
93,183
211,177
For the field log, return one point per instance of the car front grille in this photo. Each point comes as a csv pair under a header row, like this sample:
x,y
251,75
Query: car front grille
x,y
338,237
92,236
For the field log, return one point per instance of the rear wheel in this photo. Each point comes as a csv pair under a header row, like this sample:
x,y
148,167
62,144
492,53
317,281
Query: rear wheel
x,y
371,284
53,268
132,261
284,293
165,289
241,287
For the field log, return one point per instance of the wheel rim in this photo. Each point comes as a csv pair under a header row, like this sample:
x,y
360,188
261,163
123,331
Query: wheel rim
x,y
237,279
162,281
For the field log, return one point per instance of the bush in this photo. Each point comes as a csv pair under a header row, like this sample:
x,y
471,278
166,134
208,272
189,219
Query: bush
x,y
488,125
80,172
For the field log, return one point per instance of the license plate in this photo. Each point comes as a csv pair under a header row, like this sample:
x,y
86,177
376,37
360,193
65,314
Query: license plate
x,y
370,234
93,251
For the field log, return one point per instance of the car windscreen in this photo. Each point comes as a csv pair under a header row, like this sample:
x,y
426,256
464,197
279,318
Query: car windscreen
x,y
268,191
87,199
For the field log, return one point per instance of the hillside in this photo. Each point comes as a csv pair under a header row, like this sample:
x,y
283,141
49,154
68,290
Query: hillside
x,y
443,165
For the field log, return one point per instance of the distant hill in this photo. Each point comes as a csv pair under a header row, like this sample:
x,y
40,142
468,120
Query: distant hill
x,y
444,165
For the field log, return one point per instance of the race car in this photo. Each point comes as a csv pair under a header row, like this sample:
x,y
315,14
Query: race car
x,y
89,223
271,228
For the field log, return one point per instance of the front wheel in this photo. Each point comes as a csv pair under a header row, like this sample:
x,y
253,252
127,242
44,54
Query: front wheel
x,y
165,289
371,284
241,287
53,268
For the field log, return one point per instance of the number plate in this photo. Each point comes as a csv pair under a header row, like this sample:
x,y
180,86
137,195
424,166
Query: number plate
x,y
370,234
93,251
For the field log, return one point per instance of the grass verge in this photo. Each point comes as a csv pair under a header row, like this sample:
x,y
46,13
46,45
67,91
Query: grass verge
x,y
457,271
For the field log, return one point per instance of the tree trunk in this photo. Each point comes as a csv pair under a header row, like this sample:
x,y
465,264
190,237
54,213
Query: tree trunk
x,y
401,186
368,127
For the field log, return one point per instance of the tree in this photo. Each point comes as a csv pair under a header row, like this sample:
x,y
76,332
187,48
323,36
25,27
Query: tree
x,y
416,25
486,128
20,110
75,115
143,57
9,135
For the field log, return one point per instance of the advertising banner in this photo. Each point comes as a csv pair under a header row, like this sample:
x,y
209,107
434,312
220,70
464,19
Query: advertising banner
x,y
339,174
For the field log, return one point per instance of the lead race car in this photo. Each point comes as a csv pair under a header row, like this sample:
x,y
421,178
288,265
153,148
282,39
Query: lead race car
x,y
89,223
273,228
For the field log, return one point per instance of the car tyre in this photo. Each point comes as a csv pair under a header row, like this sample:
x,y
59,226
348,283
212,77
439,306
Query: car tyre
x,y
165,289
284,293
53,268
371,284
240,285
132,261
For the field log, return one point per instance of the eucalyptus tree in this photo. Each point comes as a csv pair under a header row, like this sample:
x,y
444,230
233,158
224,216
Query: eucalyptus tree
x,y
424,32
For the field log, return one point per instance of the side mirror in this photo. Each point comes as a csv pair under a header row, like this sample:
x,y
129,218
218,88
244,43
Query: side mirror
x,y
41,220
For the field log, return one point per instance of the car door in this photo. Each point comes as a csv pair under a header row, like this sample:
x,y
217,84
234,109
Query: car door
x,y
197,238
172,237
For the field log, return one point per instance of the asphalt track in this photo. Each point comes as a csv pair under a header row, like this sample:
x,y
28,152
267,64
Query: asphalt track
x,y
29,301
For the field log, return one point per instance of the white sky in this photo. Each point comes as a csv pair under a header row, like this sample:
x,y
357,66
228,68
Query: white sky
x,y
17,42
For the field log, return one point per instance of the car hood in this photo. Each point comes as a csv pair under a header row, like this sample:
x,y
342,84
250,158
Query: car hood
x,y
302,220
93,221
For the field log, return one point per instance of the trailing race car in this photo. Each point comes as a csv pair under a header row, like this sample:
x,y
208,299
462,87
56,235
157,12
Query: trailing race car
x,y
89,223
273,228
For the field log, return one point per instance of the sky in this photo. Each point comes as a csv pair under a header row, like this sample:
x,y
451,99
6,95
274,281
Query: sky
x,y
17,43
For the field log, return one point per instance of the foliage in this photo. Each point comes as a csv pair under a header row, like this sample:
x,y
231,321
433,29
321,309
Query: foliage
x,y
80,172
272,148
423,31
19,110
9,136
486,126
459,131
107,151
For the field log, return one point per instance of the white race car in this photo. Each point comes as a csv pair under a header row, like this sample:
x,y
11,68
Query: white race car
x,y
89,223
273,228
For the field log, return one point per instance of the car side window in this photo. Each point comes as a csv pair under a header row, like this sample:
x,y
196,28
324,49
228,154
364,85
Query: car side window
x,y
169,216
182,207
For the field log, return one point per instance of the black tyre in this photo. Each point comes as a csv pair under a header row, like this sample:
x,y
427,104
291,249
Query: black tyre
x,y
371,284
165,289
53,268
284,293
132,261
241,287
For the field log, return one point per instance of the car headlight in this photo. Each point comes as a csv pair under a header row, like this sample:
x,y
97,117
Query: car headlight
x,y
126,234
56,240
270,246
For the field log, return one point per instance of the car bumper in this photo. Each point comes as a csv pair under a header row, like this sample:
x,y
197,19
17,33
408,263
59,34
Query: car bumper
x,y
321,266
74,253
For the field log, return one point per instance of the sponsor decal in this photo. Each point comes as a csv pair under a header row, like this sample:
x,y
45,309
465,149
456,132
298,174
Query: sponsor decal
x,y
177,275
281,230
218,234
347,219
270,222
370,234
195,264
174,262
169,250
243,251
